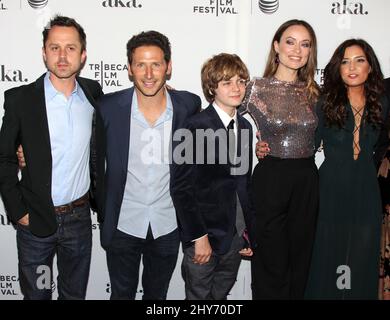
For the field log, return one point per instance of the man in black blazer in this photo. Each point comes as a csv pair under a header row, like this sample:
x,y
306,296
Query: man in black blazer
x,y
135,138
212,195
52,120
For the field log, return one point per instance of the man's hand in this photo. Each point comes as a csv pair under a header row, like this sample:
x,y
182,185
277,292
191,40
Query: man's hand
x,y
24,221
20,155
202,250
247,252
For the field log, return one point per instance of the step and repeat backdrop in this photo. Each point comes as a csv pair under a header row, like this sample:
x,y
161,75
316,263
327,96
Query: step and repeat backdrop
x,y
197,30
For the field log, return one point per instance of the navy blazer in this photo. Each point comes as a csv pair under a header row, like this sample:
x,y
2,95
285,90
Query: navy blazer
x,y
25,122
113,136
205,197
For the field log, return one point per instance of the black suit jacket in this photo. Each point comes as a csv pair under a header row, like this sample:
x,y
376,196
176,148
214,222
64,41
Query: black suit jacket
x,y
206,194
25,122
113,136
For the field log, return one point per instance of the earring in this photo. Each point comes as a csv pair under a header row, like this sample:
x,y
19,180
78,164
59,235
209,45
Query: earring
x,y
277,58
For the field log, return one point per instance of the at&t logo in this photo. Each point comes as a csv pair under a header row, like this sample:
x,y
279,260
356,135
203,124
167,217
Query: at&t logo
x,y
268,6
37,4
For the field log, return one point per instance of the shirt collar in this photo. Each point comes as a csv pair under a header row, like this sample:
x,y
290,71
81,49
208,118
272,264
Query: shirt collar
x,y
224,116
167,115
51,92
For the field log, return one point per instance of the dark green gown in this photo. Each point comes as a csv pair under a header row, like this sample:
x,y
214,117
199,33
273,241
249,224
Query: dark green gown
x,y
350,215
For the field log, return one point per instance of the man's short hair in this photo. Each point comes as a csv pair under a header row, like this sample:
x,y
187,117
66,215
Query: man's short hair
x,y
63,21
220,67
149,38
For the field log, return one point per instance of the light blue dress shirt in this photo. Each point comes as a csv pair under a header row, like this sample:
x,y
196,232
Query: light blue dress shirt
x,y
70,127
147,198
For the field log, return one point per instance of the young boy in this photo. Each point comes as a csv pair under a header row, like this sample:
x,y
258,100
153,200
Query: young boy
x,y
213,199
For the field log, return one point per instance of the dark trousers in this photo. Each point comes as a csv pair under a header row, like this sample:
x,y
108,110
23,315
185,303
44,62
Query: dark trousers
x,y
72,243
214,279
285,194
159,257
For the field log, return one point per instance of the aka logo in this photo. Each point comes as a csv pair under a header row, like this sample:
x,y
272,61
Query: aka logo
x,y
37,4
121,4
268,6
11,75
216,7
355,8
107,73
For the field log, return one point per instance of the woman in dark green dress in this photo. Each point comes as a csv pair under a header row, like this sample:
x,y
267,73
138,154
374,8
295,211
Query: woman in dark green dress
x,y
351,114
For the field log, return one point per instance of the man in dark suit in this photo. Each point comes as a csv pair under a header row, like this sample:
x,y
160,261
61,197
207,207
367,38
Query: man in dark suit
x,y
135,134
52,120
212,196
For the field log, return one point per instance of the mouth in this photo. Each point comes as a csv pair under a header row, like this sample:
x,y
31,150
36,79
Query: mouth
x,y
295,58
149,84
353,76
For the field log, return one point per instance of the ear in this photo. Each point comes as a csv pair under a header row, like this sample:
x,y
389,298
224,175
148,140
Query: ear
x,y
43,54
83,56
169,68
129,70
276,46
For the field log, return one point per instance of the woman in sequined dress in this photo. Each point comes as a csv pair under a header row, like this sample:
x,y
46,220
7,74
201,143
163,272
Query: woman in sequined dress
x,y
352,113
285,183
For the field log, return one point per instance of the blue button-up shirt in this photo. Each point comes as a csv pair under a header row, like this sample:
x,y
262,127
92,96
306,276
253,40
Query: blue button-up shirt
x,y
147,198
70,127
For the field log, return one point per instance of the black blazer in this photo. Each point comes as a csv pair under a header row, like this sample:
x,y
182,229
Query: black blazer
x,y
25,122
113,136
205,197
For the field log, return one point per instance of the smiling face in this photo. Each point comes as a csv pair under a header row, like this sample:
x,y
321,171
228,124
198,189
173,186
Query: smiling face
x,y
62,52
229,93
149,70
294,48
354,68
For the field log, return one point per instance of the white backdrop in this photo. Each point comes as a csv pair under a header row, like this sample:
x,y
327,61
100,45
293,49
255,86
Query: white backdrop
x,y
197,30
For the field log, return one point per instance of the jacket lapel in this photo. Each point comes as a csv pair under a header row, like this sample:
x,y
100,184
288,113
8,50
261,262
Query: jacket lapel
x,y
123,129
38,114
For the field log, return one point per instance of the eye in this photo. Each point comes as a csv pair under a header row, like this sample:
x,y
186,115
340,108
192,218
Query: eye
x,y
226,83
289,42
361,60
343,62
242,82
54,48
306,45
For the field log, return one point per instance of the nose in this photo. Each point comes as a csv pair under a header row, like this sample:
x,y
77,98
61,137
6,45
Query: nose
x,y
352,65
297,48
235,86
148,72
62,53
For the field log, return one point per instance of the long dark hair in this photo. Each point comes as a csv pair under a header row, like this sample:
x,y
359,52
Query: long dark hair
x,y
335,91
